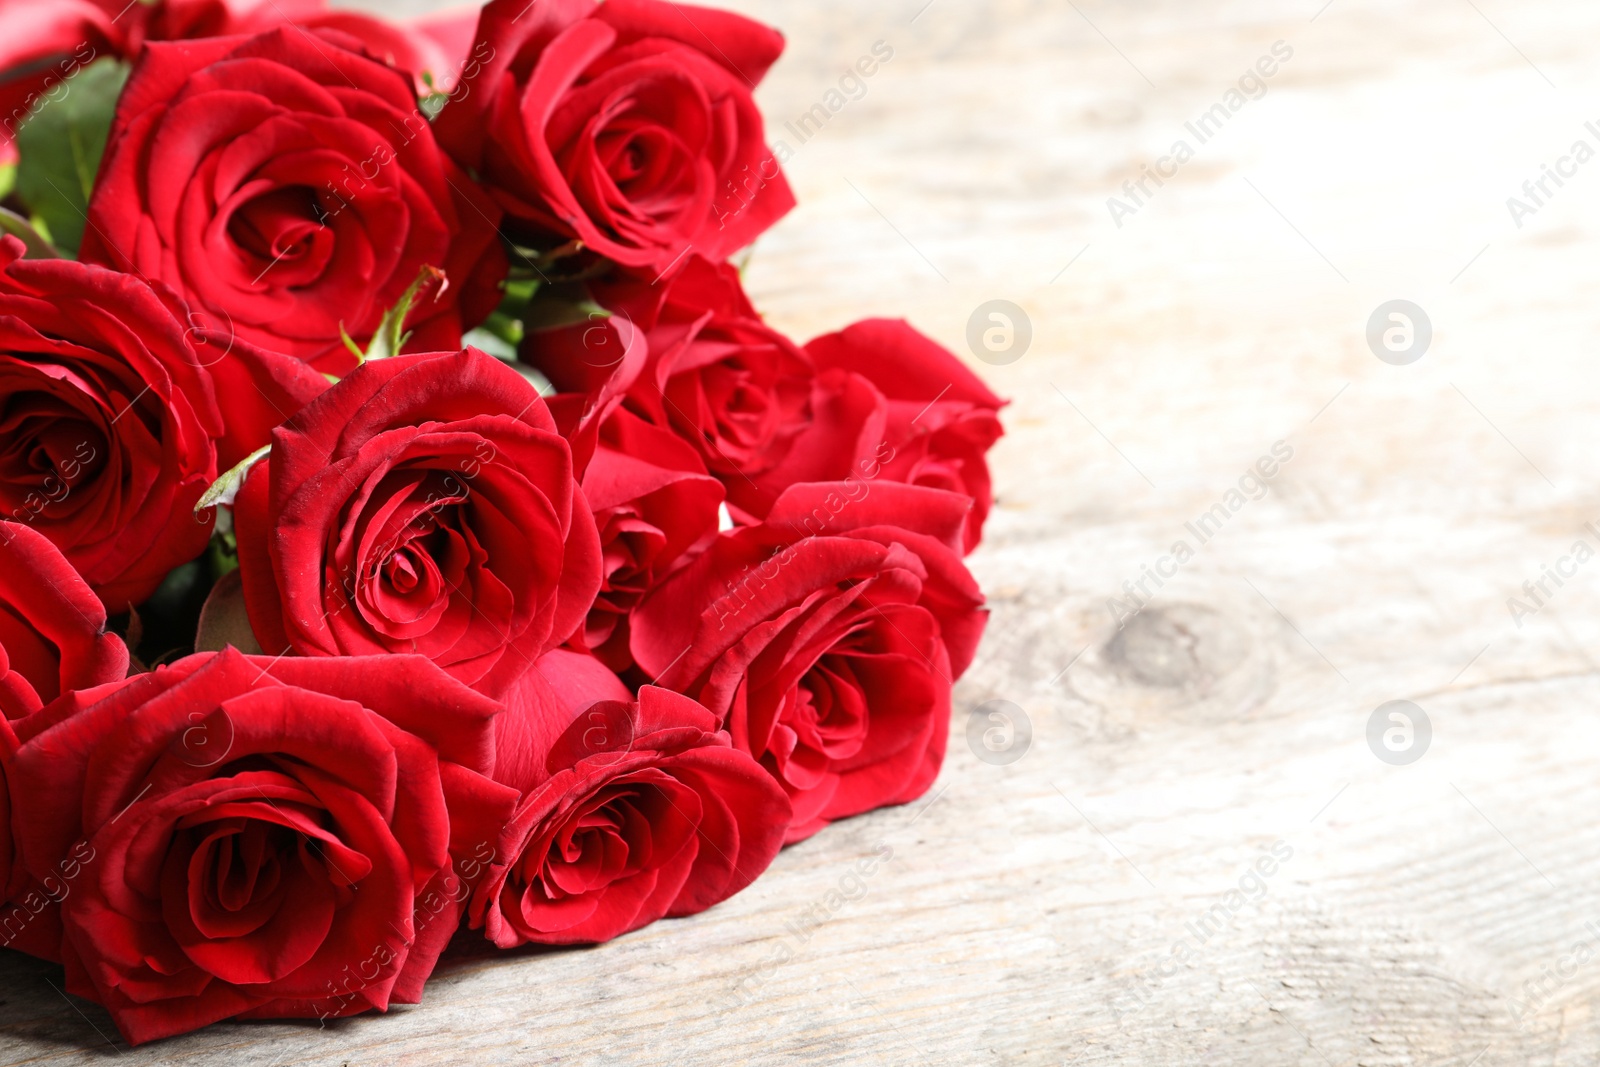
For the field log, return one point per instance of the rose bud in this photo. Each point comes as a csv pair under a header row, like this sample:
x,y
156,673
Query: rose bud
x,y
245,837
826,641
626,125
288,186
423,504
644,811
942,420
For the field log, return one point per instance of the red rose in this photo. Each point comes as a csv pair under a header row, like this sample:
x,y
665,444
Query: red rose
x,y
716,375
107,420
47,42
52,642
423,504
547,698
598,361
826,640
52,628
647,811
434,48
654,504
39,31
626,125
44,45
452,36
842,439
760,412
262,390
11,873
177,20
246,837
942,419
288,186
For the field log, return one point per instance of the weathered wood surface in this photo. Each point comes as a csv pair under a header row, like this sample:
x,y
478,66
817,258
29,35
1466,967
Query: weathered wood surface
x,y
1030,912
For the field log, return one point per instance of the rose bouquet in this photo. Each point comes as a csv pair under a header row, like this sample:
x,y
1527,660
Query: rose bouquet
x,y
410,529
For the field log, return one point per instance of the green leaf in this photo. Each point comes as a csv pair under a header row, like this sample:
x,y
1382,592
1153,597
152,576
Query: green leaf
x,y
506,327
391,336
518,293
505,322
226,488
8,180
61,144
39,246
350,343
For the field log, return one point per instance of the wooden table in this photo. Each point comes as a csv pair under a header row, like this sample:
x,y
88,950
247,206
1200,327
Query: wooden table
x,y
1093,902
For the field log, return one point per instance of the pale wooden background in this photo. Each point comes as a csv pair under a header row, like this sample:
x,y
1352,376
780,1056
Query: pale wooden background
x,y
1027,907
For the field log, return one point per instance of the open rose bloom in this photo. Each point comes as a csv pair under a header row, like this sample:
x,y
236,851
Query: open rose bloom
x,y
410,529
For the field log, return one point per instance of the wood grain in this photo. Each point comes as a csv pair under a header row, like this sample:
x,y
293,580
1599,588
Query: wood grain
x,y
1032,913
